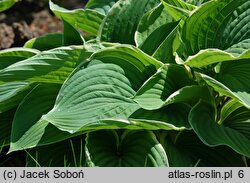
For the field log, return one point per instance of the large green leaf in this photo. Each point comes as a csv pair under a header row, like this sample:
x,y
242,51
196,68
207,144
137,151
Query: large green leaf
x,y
6,124
177,9
217,24
180,4
239,48
151,21
102,6
52,66
163,87
196,2
85,19
121,21
130,149
27,130
170,117
236,116
98,94
41,43
166,50
6,4
202,120
70,35
156,32
13,55
212,56
67,153
233,111
12,93
232,80
184,149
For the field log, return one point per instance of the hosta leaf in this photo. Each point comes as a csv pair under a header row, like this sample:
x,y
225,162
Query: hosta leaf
x,y
239,48
165,51
185,149
6,4
121,21
85,19
102,6
41,43
151,21
233,80
67,153
93,45
229,109
202,120
5,130
196,2
13,55
217,24
71,36
52,66
159,89
180,4
212,56
234,111
224,90
27,130
98,94
155,34
131,149
176,12
236,116
12,93
171,117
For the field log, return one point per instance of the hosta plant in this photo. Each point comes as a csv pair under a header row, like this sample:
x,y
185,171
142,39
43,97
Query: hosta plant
x,y
132,83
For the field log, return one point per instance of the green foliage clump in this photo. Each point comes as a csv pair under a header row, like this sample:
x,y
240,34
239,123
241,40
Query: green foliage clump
x,y
149,83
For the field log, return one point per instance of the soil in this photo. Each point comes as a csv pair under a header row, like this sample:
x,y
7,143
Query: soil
x,y
28,19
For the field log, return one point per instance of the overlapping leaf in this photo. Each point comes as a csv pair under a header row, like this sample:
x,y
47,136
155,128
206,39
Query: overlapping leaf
x,y
164,88
177,9
27,130
98,94
156,33
13,55
131,149
232,80
217,24
6,124
71,36
239,48
85,19
11,94
150,21
41,43
170,117
196,2
233,111
52,66
203,121
102,6
184,149
121,21
180,4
